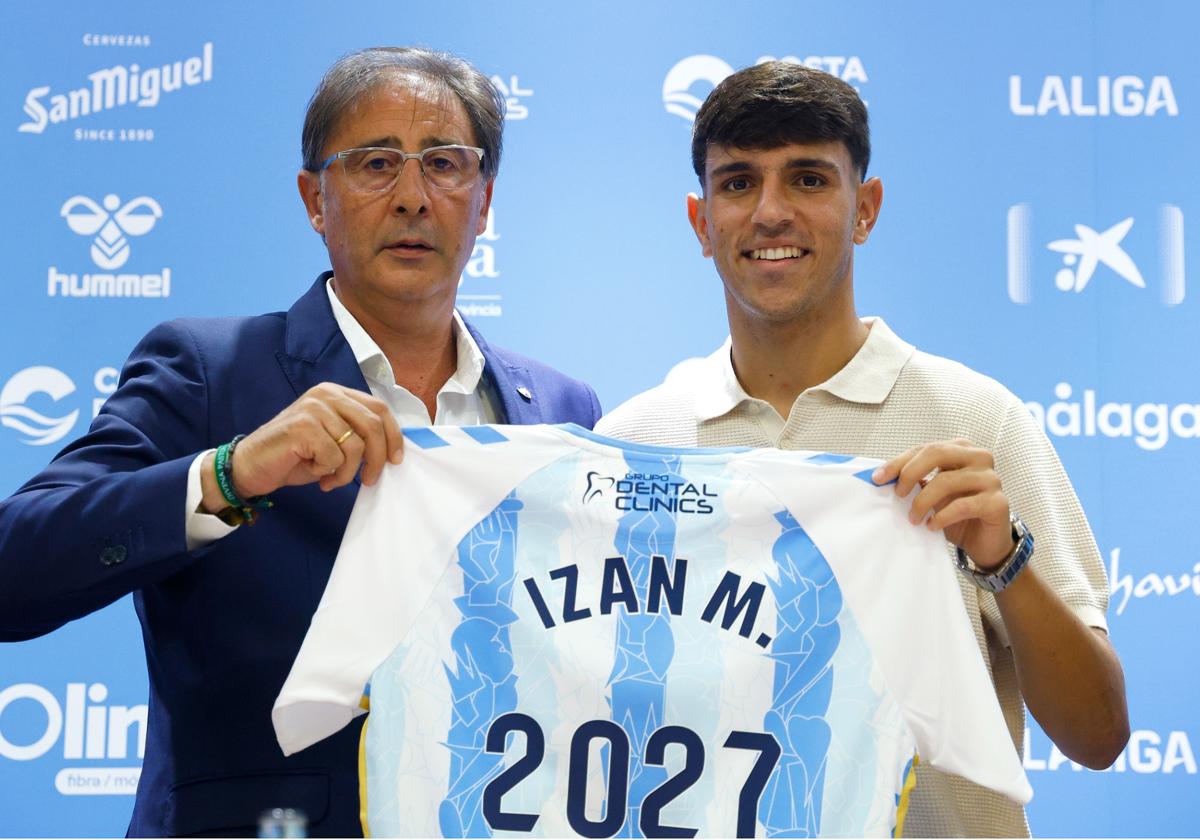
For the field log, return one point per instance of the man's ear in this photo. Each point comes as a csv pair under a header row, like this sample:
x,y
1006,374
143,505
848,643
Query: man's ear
x,y
481,225
870,199
699,222
309,184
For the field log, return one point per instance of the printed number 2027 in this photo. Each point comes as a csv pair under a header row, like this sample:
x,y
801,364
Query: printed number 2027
x,y
650,821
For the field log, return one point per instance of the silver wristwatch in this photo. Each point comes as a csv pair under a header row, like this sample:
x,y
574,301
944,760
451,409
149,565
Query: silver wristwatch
x,y
999,578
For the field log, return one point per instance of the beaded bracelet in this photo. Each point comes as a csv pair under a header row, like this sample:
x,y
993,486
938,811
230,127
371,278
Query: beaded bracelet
x,y
240,511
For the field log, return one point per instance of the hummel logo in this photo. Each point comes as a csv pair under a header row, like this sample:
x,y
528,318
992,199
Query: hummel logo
x,y
110,223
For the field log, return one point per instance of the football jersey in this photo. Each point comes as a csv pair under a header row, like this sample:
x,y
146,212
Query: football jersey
x,y
566,634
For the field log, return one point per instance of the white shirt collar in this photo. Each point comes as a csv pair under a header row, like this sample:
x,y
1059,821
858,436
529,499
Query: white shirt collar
x,y
866,378
375,366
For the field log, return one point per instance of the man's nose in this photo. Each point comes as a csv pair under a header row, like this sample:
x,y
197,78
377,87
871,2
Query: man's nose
x,y
774,208
410,193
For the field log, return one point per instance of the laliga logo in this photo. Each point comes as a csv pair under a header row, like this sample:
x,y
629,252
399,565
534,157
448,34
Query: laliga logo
x,y
110,248
39,430
1093,250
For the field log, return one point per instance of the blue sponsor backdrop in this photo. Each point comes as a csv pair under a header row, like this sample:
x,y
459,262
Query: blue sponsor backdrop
x,y
1038,162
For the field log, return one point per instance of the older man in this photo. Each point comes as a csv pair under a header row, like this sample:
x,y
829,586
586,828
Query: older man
x,y
781,152
400,148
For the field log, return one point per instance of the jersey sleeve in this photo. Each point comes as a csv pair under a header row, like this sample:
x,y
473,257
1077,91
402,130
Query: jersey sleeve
x,y
399,542
901,589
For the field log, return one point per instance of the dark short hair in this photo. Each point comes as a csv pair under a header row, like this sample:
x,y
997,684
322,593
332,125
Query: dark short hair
x,y
356,74
780,102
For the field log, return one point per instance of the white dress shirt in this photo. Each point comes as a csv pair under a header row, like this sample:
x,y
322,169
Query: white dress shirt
x,y
460,402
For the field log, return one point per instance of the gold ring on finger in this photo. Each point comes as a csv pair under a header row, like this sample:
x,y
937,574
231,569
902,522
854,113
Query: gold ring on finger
x,y
345,437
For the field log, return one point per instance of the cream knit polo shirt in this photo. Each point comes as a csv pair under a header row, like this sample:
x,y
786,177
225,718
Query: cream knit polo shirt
x,y
887,399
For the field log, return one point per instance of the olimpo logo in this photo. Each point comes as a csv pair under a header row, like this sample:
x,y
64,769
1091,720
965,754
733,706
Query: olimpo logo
x,y
81,726
1096,253
709,71
38,430
110,224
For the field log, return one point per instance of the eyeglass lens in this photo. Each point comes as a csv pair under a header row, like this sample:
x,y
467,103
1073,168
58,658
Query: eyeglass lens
x,y
377,169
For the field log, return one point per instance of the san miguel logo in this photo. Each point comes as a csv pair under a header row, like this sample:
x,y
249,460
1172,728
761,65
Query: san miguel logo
x,y
115,87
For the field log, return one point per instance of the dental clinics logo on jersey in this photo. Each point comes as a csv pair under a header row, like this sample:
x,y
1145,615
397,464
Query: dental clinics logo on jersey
x,y
693,78
114,88
109,226
649,492
34,402
1092,96
1142,254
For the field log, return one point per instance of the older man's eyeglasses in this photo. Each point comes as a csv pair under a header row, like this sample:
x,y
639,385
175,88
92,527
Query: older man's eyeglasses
x,y
376,168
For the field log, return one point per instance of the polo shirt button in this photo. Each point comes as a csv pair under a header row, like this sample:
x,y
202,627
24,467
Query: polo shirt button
x,y
112,555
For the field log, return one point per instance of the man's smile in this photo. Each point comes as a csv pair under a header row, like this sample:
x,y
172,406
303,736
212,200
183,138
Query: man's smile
x,y
775,254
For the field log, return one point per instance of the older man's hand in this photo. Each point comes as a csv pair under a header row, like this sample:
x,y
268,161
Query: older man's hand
x,y
325,436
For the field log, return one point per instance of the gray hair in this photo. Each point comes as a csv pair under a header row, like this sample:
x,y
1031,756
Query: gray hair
x,y
358,73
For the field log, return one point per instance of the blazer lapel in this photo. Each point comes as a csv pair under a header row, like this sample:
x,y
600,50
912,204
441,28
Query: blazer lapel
x,y
315,350
511,385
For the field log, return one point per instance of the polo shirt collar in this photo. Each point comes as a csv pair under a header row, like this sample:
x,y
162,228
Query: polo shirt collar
x,y
867,378
375,366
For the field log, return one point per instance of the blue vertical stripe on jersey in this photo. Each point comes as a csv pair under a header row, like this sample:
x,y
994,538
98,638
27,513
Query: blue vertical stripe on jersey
x,y
645,643
424,438
829,458
865,475
482,683
808,602
484,434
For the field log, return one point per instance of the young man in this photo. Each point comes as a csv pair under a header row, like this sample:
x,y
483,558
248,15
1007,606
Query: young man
x,y
781,152
401,147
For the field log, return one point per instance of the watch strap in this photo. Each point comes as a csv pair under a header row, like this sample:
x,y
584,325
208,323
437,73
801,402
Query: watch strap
x,y
1001,577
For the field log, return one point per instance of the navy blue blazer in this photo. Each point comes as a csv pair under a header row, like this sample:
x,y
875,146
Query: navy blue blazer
x,y
221,624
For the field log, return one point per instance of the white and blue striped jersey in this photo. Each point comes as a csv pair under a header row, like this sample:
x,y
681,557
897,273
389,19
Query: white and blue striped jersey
x,y
565,634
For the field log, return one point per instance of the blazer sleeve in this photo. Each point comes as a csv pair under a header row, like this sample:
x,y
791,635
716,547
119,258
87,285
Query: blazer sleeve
x,y
106,516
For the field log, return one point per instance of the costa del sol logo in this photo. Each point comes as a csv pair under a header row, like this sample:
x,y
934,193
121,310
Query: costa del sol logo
x,y
37,429
709,71
1096,252
110,224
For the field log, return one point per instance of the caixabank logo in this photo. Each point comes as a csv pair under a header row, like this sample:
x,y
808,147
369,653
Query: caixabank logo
x,y
113,89
97,745
1142,254
40,404
691,79
108,226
